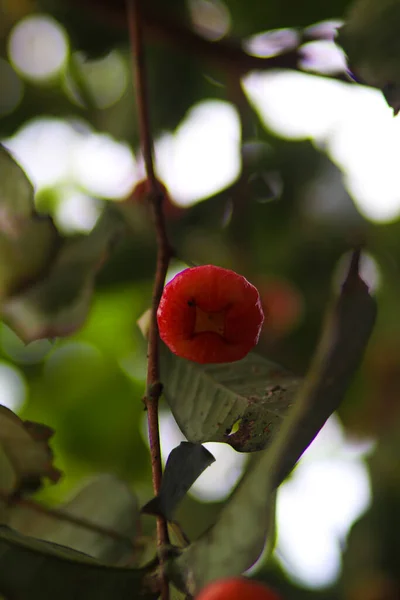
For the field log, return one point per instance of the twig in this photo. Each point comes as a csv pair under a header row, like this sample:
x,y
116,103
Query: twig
x,y
224,53
60,515
154,387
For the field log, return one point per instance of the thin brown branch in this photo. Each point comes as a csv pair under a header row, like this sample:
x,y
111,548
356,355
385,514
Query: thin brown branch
x,y
60,515
224,53
154,387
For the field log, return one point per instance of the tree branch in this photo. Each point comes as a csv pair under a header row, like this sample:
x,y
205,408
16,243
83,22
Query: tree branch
x,y
154,386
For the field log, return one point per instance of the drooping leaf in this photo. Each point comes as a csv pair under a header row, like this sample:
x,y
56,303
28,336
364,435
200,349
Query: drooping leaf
x,y
58,304
27,239
237,539
208,400
344,338
34,570
185,464
104,502
25,454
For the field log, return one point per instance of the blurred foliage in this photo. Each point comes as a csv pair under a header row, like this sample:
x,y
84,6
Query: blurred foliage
x,y
89,387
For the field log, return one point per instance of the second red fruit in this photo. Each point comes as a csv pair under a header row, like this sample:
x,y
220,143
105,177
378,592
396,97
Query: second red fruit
x,y
142,191
237,588
210,315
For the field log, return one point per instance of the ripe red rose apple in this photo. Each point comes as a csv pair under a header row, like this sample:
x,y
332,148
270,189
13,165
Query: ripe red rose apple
x,y
237,588
210,315
380,410
282,304
142,190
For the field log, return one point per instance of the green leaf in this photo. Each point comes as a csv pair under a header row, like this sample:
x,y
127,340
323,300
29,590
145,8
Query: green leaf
x,y
207,401
27,240
34,570
185,464
104,502
237,539
58,304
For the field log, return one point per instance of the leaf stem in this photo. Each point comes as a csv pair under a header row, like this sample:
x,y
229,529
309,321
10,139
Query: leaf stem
x,y
154,387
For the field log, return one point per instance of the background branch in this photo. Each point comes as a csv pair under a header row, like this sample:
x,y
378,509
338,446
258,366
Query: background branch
x,y
225,53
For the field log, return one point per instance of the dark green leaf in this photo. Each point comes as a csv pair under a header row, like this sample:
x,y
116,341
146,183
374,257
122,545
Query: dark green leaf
x,y
34,570
236,541
185,464
207,401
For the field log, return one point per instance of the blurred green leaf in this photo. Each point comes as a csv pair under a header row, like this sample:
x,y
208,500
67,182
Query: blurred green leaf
x,y
27,240
237,539
207,401
104,502
176,594
34,570
58,304
100,422
25,454
16,191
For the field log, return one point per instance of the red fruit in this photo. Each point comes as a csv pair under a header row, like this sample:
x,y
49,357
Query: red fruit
x,y
380,410
142,191
283,305
237,588
210,315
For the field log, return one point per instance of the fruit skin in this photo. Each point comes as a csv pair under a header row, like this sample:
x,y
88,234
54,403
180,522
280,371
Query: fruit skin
x,y
237,588
220,297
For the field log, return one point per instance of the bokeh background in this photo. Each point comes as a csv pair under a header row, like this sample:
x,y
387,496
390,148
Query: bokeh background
x,y
274,173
